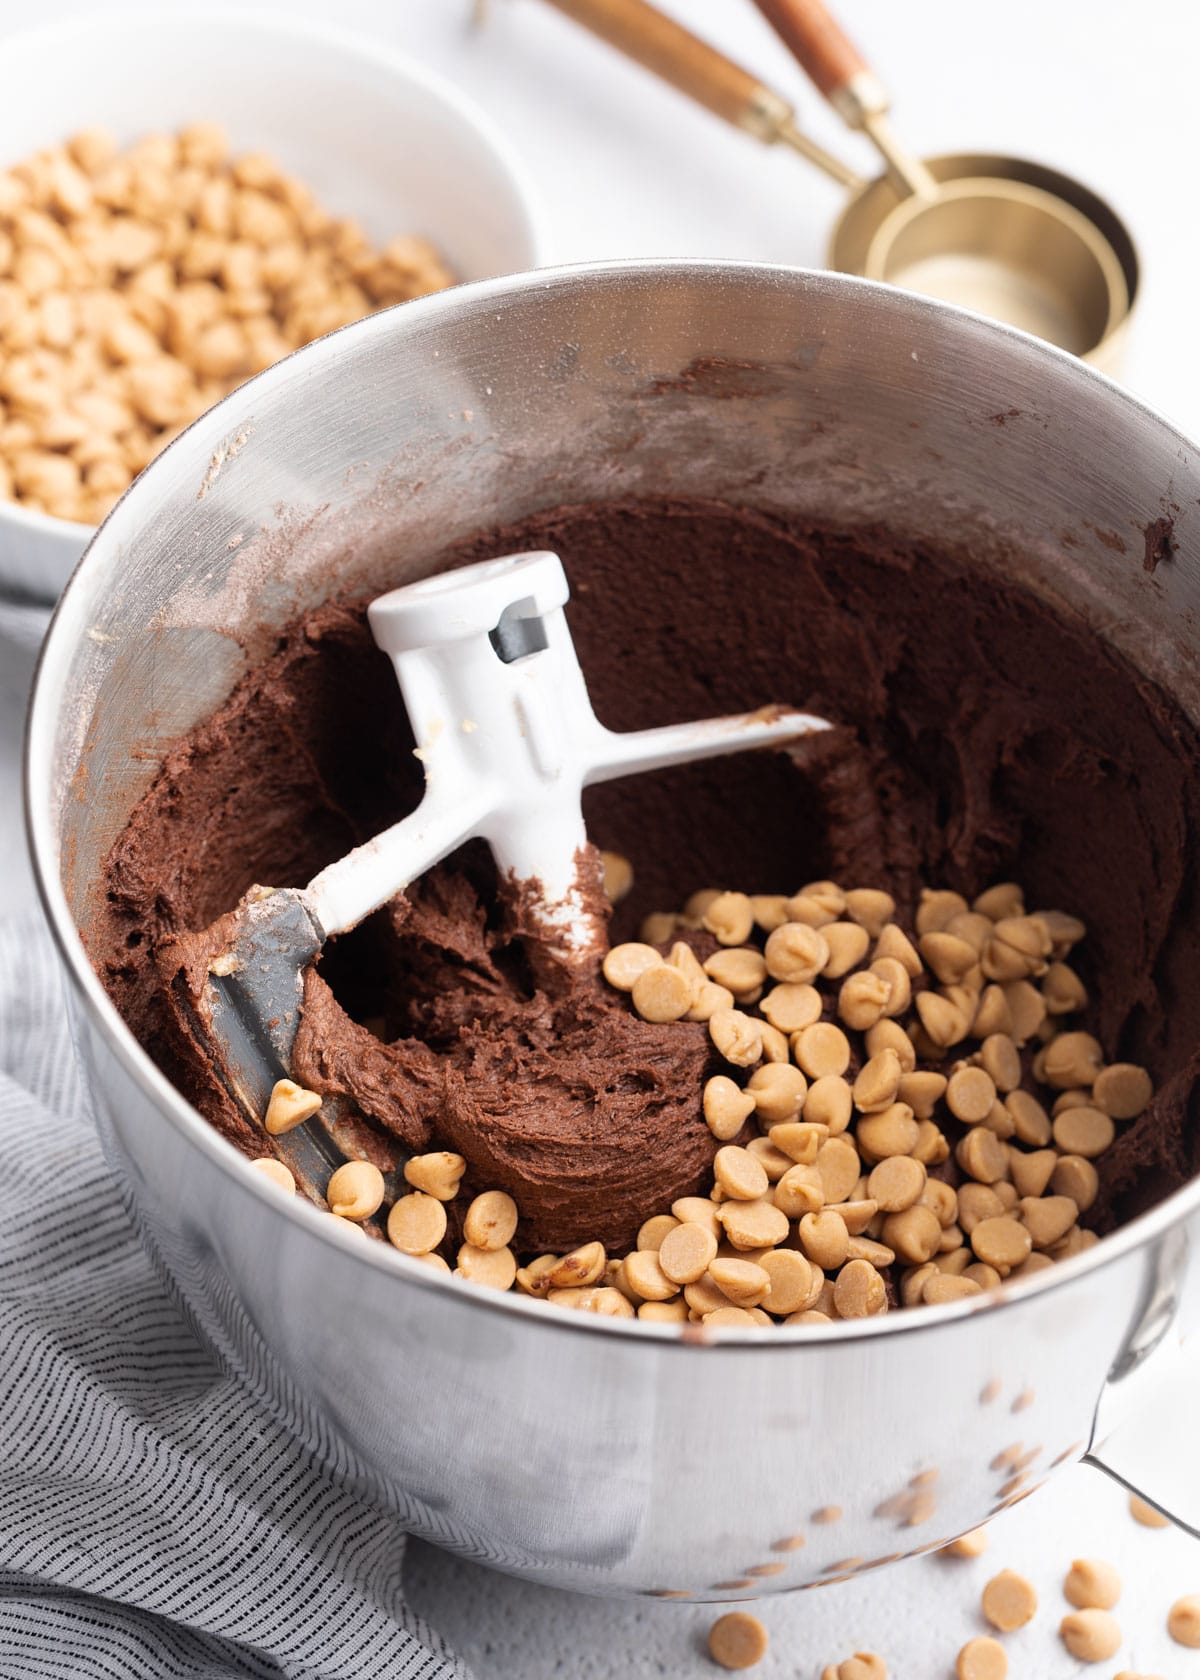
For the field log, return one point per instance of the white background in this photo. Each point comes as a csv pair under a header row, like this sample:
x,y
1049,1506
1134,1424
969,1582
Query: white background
x,y
1105,89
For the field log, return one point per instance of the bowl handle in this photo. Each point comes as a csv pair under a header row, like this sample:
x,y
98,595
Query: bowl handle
x,y
1147,1411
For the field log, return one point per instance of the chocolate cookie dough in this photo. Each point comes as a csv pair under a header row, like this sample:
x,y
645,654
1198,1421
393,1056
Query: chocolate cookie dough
x,y
983,737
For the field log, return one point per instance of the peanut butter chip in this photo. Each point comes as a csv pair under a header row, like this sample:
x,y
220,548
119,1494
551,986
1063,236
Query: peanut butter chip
x,y
686,1253
896,1183
863,1665
730,918
970,1094
981,1154
741,970
877,1082
1077,1178
864,999
1146,1514
734,1318
1004,899
848,945
646,1277
940,1287
982,1659
662,994
290,1105
859,1291
1002,1243
838,1168
893,1132
778,1092
795,953
653,1233
618,876
663,1312
922,1090
737,1640
742,1281
624,963
1122,1091
758,1224
824,1238
1091,1584
416,1223
495,1268
726,1107
355,1190
798,1139
1009,1601
275,1170
1084,1131
707,999
870,908
971,1545
770,910
942,1020
737,1036
491,1220
739,1174
1031,1123
1073,1058
580,1268
914,1234
829,1103
437,1174
791,1007
801,1190
949,957
1047,1218
822,1050
793,1283
1091,1635
1183,1622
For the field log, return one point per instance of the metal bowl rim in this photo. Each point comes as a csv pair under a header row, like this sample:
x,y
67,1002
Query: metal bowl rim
x,y
69,623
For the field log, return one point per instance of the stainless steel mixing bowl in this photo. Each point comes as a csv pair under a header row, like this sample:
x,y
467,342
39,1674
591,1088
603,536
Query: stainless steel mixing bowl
x,y
584,1452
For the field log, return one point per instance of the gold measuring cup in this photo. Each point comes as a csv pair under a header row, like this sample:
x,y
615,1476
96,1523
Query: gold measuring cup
x,y
1010,238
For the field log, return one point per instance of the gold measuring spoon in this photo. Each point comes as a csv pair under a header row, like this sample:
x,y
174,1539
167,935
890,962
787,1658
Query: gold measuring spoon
x,y
839,71
673,53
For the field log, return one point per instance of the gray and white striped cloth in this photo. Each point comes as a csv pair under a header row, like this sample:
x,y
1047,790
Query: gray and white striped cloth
x,y
152,1522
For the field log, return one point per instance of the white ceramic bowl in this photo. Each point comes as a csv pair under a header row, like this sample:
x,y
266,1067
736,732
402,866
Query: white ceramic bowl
x,y
375,135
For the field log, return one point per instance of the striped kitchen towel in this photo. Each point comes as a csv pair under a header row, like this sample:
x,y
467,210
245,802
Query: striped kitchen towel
x,y
152,1522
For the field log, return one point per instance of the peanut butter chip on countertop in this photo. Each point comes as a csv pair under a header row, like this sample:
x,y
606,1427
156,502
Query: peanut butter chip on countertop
x,y
982,1659
1183,1622
863,1665
737,1640
1009,1601
1091,1635
1146,1514
1091,1584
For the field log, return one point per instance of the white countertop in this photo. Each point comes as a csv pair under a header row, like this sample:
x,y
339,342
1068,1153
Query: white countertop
x,y
1106,91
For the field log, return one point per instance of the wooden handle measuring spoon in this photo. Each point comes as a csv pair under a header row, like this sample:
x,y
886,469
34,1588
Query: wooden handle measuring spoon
x,y
837,68
691,65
